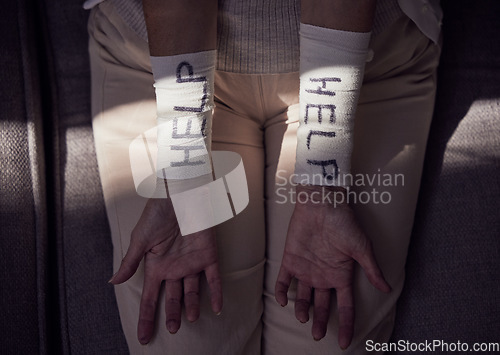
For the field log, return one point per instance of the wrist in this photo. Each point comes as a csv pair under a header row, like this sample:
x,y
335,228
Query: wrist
x,y
331,72
184,87
321,196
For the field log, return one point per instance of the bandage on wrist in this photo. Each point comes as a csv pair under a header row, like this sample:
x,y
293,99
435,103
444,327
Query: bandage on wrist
x,y
184,87
173,160
331,73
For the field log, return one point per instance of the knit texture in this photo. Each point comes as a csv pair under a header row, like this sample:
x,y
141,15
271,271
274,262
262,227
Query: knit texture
x,y
256,36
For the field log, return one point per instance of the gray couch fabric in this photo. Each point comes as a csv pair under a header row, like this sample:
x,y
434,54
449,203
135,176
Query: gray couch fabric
x,y
55,249
453,291
89,321
23,220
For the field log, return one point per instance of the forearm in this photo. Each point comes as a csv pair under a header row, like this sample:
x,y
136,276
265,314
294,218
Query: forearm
x,y
346,15
334,39
180,26
182,42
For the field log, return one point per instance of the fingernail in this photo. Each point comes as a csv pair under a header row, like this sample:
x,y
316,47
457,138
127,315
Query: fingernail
x,y
112,278
302,319
218,313
172,327
344,347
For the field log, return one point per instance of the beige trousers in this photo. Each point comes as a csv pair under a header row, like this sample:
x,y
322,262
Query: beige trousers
x,y
257,117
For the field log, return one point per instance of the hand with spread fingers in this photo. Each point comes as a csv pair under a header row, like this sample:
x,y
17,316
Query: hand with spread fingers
x,y
322,244
178,260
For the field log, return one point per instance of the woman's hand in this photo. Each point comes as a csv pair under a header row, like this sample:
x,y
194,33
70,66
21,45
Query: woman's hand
x,y
178,260
322,243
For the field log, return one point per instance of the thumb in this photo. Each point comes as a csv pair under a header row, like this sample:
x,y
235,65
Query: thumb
x,y
130,262
372,271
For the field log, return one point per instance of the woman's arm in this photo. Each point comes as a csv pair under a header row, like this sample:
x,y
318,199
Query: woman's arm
x,y
180,26
177,29
324,238
345,15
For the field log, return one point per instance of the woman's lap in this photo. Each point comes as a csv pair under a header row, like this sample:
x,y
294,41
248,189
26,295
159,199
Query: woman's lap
x,y
256,116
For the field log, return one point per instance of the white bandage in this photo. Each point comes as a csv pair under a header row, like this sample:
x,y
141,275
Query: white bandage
x,y
176,149
184,96
331,73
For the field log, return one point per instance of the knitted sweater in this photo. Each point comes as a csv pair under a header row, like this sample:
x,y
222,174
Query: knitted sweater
x,y
254,36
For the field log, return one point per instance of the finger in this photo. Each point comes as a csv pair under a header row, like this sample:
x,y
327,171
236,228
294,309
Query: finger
x,y
147,310
372,271
321,312
345,304
192,297
130,262
282,285
215,286
302,302
173,294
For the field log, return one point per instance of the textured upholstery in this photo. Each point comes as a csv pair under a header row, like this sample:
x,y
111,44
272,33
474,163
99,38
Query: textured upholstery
x,y
452,290
23,220
88,313
55,249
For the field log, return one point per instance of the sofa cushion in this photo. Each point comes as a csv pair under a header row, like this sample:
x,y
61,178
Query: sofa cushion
x,y
452,289
23,217
90,322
